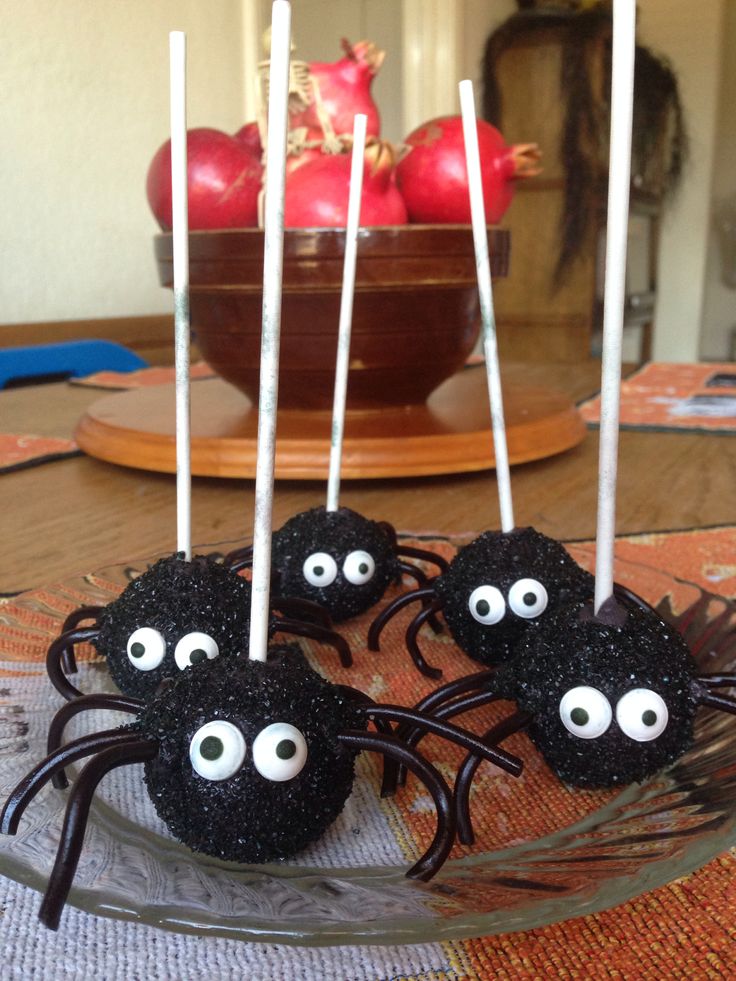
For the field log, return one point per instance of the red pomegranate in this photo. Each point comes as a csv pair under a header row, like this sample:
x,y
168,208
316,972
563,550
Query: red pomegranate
x,y
344,88
250,137
224,179
433,178
317,192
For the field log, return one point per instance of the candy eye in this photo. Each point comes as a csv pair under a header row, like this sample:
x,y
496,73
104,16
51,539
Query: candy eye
x,y
358,568
279,751
217,750
320,569
194,648
585,712
528,598
146,648
486,605
642,714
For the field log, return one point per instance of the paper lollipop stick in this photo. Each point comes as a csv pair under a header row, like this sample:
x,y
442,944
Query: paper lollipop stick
x,y
180,239
346,311
619,171
278,94
485,292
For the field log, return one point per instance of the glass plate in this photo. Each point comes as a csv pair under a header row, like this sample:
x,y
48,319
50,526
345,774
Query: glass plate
x,y
560,852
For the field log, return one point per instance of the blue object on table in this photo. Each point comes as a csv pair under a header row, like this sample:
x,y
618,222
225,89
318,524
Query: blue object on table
x,y
67,359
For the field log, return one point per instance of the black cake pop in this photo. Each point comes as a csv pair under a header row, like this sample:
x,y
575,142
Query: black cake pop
x,y
608,699
497,590
339,559
174,615
238,767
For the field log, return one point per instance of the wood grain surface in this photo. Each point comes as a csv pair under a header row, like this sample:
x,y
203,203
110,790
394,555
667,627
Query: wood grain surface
x,y
451,433
80,514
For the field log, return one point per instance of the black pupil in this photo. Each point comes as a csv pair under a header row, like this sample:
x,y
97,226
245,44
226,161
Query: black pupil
x,y
579,716
197,656
529,599
211,748
319,570
649,718
286,749
483,608
137,649
363,568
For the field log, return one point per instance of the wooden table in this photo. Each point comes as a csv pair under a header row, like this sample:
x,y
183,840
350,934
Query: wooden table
x,y
80,514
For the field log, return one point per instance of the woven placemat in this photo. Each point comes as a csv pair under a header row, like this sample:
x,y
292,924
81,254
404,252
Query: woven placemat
x,y
21,450
683,930
673,397
142,377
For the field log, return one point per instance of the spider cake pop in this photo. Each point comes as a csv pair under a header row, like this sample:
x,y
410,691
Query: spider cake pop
x,y
505,583
332,554
608,699
239,769
175,615
340,559
498,589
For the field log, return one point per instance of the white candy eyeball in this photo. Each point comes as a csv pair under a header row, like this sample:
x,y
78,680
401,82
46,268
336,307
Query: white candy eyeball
x,y
146,648
528,598
194,648
642,714
585,712
217,750
320,569
358,568
487,605
279,752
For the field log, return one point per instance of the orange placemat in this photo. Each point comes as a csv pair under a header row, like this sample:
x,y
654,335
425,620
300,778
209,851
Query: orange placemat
x,y
142,378
683,930
661,396
21,450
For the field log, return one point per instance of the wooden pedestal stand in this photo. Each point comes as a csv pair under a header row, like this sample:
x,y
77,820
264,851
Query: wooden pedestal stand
x,y
449,434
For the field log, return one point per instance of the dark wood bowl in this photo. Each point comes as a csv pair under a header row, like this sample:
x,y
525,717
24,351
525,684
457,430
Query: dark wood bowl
x,y
415,313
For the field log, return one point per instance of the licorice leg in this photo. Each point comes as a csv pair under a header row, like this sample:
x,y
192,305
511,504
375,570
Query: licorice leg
x,y
68,661
316,632
434,857
423,555
427,613
447,711
239,558
295,607
55,658
75,822
391,610
461,737
723,702
717,680
464,779
99,700
451,690
32,782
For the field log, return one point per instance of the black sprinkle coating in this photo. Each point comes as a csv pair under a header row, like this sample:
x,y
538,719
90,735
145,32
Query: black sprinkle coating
x,y
576,649
338,533
500,559
248,818
174,597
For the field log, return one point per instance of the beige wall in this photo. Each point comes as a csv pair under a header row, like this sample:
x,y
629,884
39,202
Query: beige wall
x,y
689,35
719,311
84,106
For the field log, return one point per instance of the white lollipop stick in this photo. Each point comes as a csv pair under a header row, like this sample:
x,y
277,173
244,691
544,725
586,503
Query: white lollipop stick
x,y
278,95
485,292
619,171
357,165
180,239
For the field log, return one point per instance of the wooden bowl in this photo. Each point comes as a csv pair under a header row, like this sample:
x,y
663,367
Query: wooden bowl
x,y
415,313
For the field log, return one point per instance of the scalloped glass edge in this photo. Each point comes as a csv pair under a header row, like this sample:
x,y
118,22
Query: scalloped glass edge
x,y
510,871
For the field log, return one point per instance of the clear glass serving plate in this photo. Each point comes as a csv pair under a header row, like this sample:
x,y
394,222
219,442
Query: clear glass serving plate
x,y
552,853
